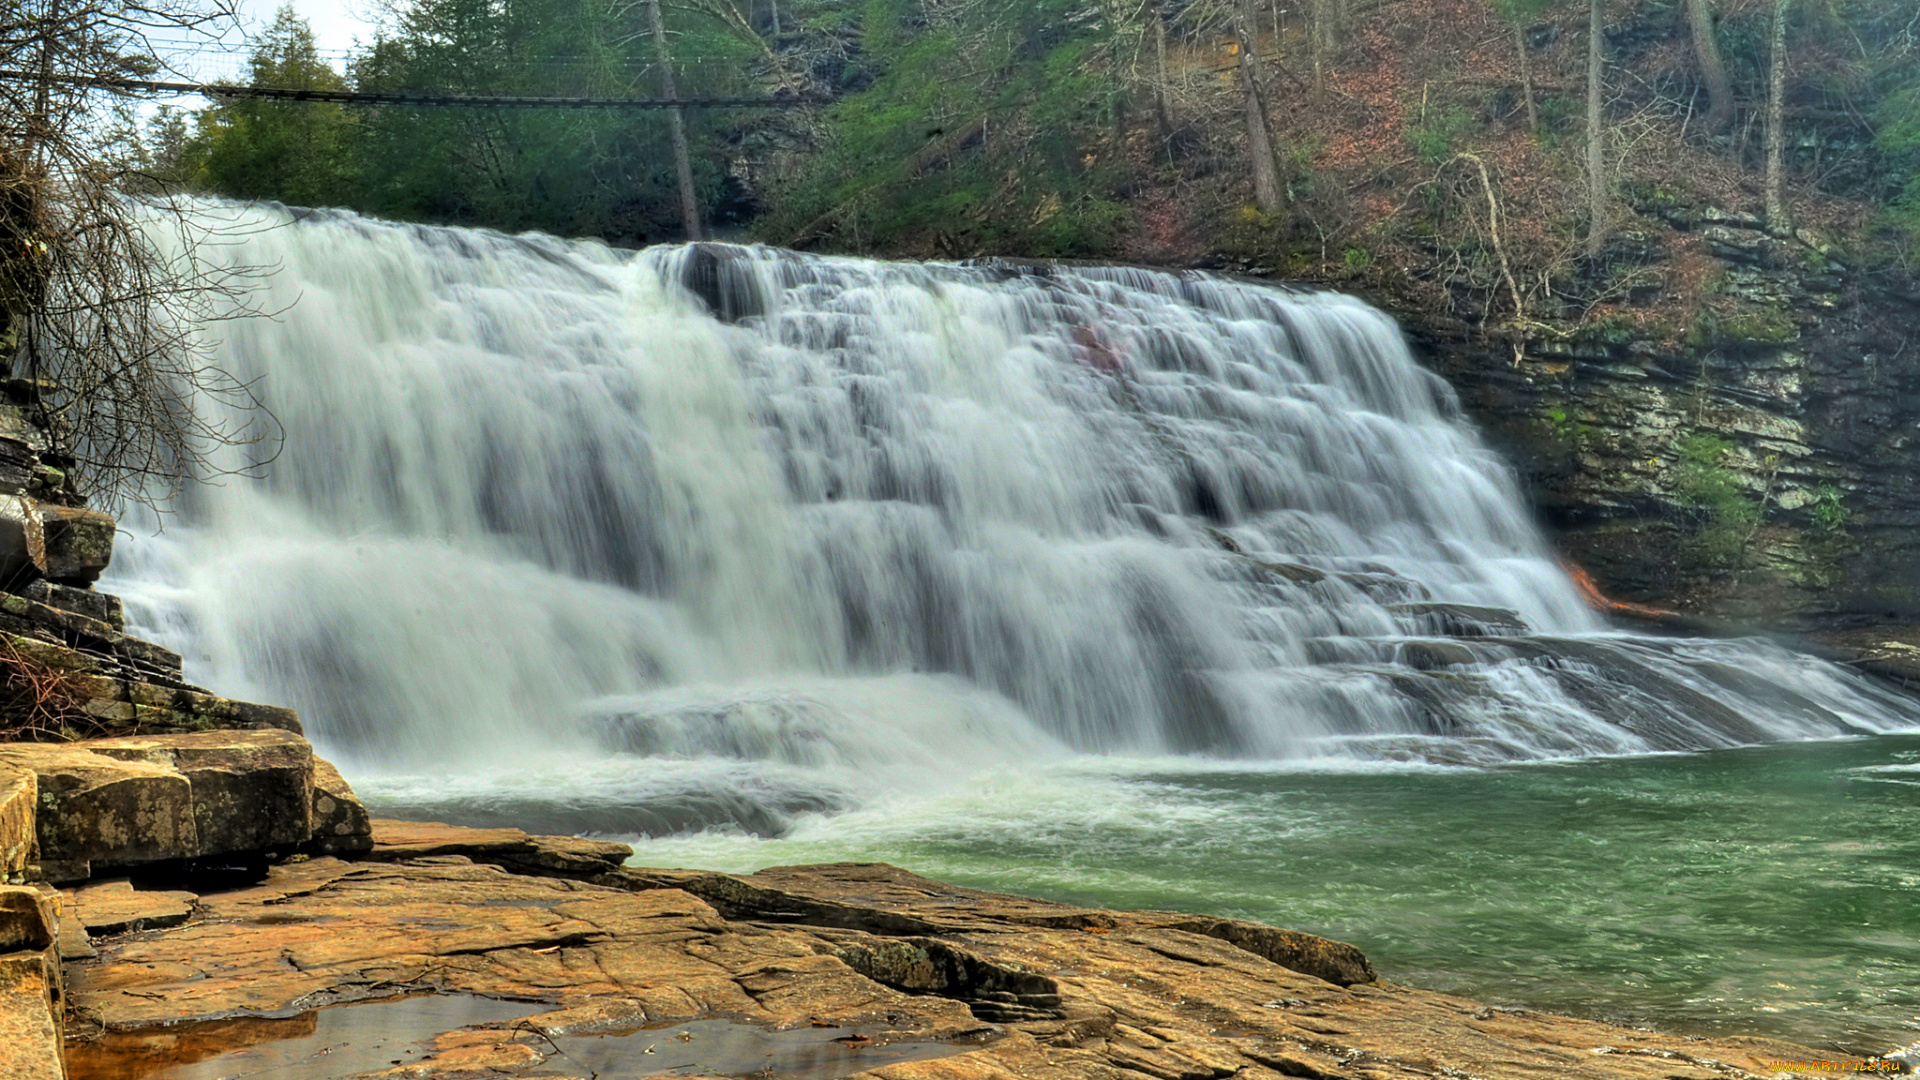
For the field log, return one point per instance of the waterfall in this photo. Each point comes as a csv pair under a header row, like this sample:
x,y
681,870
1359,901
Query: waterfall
x,y
758,525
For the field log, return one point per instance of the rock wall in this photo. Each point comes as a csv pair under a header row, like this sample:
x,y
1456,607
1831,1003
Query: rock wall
x,y
1750,462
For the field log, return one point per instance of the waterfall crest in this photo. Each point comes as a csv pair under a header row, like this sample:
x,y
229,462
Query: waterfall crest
x,y
762,521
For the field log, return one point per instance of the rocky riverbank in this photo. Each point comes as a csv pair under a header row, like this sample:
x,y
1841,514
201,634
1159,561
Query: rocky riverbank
x,y
884,973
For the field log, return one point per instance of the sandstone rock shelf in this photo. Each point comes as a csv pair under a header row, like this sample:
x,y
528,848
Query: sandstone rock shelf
x,y
1021,987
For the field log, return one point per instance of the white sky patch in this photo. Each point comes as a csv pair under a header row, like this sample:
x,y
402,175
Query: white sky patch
x,y
340,29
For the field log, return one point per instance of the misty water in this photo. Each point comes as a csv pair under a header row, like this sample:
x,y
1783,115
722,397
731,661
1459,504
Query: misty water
x,y
1115,586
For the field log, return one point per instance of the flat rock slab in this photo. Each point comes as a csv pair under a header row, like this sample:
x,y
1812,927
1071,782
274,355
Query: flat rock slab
x,y
115,907
543,856
1044,990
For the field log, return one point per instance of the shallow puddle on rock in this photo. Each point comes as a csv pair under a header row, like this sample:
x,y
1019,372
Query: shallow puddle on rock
x,y
342,1041
337,1041
725,1048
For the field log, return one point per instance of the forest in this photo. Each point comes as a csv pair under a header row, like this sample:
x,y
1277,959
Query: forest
x,y
1507,157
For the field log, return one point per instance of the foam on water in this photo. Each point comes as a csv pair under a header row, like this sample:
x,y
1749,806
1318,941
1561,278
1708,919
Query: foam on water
x,y
542,518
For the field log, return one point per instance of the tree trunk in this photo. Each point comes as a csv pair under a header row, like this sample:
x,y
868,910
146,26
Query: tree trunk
x,y
1162,110
773,17
1776,119
1596,138
1319,31
676,123
1526,77
1266,177
1707,51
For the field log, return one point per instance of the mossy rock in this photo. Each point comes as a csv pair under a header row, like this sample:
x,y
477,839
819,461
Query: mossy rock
x,y
1766,326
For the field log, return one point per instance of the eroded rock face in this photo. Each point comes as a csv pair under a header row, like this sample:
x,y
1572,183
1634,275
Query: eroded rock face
x,y
1039,990
79,543
27,920
1796,384
19,790
340,822
30,1006
30,1030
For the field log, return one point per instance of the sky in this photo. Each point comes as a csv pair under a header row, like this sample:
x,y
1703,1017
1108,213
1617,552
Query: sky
x,y
337,24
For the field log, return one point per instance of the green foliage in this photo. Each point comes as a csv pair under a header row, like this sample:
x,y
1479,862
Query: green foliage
x,y
1356,260
999,134
297,152
1828,511
570,172
1898,141
1434,134
1568,432
1722,513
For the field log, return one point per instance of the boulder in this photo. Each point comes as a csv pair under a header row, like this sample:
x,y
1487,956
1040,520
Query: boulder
x,y
143,799
79,543
18,791
94,807
340,822
251,790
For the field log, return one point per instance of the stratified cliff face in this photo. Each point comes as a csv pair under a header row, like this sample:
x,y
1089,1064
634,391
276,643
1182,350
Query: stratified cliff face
x,y
1756,464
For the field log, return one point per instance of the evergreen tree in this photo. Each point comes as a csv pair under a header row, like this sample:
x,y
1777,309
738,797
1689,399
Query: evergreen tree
x,y
294,151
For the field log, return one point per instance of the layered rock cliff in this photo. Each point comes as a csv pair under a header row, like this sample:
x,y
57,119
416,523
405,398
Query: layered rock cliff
x,y
1751,463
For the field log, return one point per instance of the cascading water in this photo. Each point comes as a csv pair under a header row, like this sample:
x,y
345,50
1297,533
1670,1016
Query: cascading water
x,y
1132,588
881,527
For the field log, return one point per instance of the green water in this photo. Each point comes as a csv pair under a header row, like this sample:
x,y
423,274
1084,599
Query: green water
x,y
1773,890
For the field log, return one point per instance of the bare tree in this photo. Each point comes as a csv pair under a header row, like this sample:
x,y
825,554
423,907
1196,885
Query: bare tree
x,y
1776,118
1596,136
102,307
677,123
1266,177
1712,68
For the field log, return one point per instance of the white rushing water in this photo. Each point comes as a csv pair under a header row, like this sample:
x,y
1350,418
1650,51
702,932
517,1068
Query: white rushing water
x,y
540,513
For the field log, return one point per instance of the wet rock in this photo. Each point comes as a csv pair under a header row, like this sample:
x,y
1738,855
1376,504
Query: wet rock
x,y
79,543
724,279
1323,958
18,794
1462,620
340,822
1434,655
1084,992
